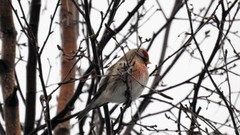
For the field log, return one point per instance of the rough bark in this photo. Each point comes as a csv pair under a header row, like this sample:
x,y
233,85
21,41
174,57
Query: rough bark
x,y
11,113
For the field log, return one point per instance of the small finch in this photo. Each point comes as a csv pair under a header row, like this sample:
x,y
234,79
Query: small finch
x,y
123,80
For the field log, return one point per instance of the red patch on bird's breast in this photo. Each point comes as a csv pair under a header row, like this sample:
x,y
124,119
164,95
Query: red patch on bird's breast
x,y
139,71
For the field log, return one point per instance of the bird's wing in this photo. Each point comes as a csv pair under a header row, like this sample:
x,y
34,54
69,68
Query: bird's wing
x,y
84,112
104,82
117,73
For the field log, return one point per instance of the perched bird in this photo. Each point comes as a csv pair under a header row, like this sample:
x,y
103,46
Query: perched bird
x,y
123,80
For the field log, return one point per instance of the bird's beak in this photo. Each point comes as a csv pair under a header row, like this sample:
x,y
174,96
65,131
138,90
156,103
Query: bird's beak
x,y
148,62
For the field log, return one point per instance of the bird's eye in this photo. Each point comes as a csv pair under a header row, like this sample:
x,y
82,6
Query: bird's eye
x,y
144,57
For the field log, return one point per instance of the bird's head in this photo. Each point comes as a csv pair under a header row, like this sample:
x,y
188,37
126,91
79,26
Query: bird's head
x,y
139,54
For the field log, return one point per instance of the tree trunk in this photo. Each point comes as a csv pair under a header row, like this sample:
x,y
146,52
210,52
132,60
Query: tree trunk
x,y
32,67
68,21
11,113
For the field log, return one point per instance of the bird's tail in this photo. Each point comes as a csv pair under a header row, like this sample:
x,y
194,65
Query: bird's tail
x,y
84,112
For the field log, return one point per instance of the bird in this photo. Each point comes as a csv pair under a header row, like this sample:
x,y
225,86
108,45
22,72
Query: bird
x,y
123,81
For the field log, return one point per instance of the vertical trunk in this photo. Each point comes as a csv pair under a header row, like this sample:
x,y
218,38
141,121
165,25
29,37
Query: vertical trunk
x,y
31,67
68,16
11,114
